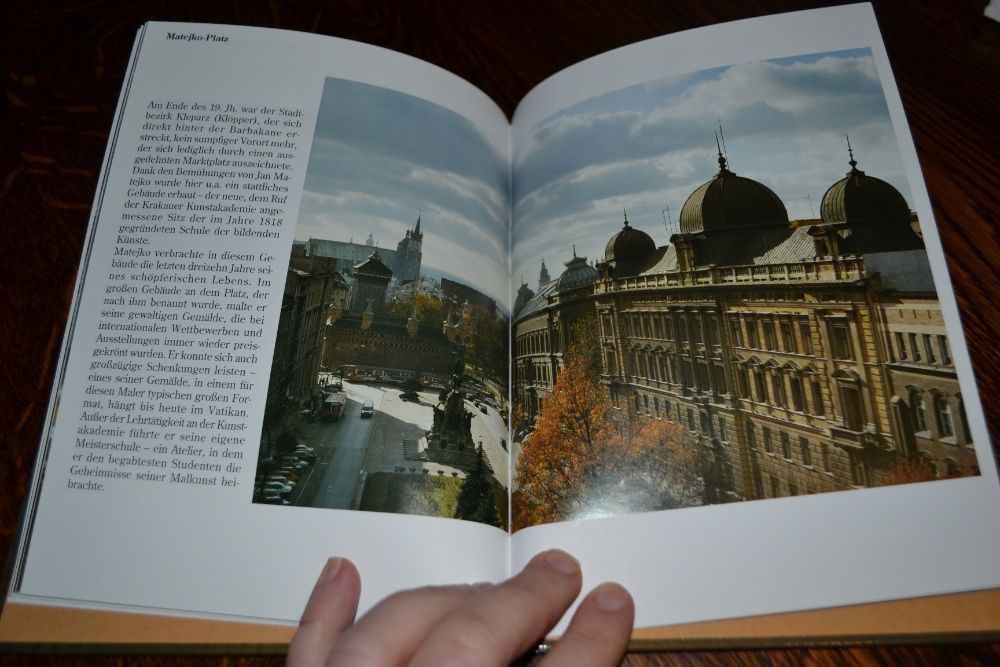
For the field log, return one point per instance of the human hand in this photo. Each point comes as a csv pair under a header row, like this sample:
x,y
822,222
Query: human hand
x,y
478,624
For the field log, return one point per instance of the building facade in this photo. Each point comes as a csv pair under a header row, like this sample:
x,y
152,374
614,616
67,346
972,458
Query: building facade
x,y
404,261
802,357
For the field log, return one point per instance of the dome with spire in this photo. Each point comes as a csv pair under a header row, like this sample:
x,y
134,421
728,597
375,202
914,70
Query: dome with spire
x,y
578,273
859,198
627,243
731,202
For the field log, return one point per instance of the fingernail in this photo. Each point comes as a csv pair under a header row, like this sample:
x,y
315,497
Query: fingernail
x,y
331,569
611,597
561,561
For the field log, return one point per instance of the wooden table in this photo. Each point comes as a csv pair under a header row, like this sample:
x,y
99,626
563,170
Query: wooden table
x,y
64,64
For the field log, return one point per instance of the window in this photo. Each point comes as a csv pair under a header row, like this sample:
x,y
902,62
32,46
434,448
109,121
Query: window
x,y
793,490
824,448
850,398
758,379
703,422
751,333
919,411
788,337
744,381
859,470
807,346
768,445
720,379
840,339
722,431
778,388
817,397
769,340
945,350
929,349
713,330
702,370
695,324
638,405
786,447
805,452
900,347
913,347
775,490
751,437
946,424
795,382
656,405
735,332
690,419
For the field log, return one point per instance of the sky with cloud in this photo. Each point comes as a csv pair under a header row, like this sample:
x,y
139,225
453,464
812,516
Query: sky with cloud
x,y
645,148
380,157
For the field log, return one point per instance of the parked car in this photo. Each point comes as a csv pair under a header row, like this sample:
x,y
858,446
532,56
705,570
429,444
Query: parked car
x,y
274,499
367,409
482,408
277,487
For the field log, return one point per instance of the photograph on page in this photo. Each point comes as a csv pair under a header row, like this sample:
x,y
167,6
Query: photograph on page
x,y
724,295
388,386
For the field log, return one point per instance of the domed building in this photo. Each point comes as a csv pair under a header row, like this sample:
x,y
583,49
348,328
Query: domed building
x,y
541,326
730,202
578,273
863,214
800,357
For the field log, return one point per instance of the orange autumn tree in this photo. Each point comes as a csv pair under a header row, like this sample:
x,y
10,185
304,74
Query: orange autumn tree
x,y
587,459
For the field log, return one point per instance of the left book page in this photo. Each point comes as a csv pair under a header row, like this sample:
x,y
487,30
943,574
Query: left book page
x,y
290,303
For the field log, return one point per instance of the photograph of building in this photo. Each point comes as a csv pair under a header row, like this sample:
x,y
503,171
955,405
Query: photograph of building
x,y
789,355
387,389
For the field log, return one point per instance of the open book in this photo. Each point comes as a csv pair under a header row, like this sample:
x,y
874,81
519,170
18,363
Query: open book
x,y
687,317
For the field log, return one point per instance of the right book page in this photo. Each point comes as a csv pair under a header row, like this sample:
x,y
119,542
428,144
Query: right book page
x,y
740,385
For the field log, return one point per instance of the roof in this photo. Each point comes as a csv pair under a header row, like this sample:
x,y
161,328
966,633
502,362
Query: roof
x,y
577,274
373,266
728,201
628,242
859,198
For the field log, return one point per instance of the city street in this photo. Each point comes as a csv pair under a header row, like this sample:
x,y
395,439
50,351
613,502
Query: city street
x,y
349,449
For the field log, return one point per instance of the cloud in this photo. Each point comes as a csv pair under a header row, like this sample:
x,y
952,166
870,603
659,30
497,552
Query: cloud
x,y
648,147
379,157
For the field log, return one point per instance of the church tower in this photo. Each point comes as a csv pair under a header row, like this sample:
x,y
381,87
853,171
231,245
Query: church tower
x,y
408,255
543,276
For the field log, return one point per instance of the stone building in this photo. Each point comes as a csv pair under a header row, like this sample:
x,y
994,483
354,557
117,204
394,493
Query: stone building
x,y
802,358
366,340
312,285
404,261
541,330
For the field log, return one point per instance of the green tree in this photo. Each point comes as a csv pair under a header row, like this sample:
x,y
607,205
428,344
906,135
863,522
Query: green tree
x,y
476,500
430,310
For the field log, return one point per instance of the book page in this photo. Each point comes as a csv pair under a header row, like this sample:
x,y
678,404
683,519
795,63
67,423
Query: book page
x,y
284,337
736,353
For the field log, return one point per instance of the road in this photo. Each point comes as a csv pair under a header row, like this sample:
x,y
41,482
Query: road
x,y
353,447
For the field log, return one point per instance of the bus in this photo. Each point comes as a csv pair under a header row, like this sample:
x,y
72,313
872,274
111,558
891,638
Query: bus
x,y
333,405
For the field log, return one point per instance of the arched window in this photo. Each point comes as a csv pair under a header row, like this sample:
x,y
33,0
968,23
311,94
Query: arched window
x,y
964,420
945,420
918,411
795,388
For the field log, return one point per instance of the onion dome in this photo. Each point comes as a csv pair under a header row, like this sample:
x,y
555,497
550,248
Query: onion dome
x,y
627,243
373,266
524,295
730,202
859,198
578,273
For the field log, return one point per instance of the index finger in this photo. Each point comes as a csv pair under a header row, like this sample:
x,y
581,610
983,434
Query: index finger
x,y
498,624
